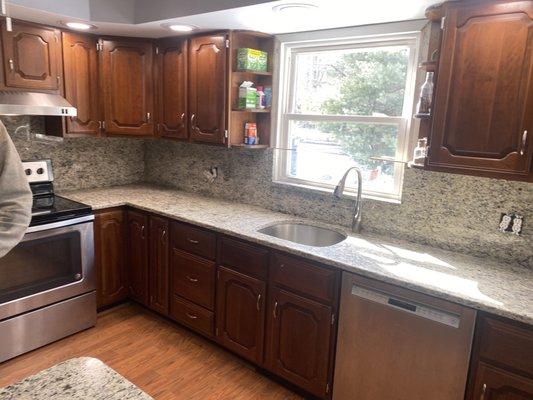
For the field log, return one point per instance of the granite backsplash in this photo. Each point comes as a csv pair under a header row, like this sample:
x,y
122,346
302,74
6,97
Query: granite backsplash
x,y
79,162
449,211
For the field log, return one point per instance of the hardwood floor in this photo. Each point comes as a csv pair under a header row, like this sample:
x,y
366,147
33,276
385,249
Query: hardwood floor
x,y
162,358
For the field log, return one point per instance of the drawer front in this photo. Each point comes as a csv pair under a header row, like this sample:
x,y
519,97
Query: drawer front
x,y
507,344
243,257
193,316
193,278
305,278
194,240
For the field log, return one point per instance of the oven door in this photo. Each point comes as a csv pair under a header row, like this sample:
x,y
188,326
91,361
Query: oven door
x,y
53,262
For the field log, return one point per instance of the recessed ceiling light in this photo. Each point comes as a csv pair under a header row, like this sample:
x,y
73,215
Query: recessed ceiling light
x,y
294,8
180,27
82,26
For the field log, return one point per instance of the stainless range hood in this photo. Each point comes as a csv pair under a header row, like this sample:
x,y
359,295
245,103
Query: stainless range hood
x,y
34,103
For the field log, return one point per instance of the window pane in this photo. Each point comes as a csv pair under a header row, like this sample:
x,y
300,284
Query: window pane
x,y
369,81
323,151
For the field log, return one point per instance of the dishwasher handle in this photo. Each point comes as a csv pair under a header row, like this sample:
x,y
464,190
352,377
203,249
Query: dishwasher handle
x,y
420,310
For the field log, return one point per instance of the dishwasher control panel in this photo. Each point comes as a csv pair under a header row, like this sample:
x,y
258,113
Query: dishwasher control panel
x,y
434,314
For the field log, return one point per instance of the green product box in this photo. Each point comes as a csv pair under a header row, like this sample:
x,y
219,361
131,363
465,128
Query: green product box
x,y
247,95
252,60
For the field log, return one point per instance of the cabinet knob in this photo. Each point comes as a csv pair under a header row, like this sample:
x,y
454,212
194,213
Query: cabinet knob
x,y
193,280
182,118
148,117
275,312
193,241
483,391
191,316
142,232
258,305
523,143
193,118
164,236
11,64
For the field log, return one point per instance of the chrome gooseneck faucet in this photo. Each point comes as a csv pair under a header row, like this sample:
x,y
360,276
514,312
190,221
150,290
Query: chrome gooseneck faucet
x,y
339,189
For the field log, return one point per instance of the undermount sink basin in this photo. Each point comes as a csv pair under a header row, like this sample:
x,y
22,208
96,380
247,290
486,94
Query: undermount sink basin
x,y
304,234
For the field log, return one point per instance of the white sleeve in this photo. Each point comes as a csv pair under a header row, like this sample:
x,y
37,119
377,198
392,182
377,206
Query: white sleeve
x,y
15,195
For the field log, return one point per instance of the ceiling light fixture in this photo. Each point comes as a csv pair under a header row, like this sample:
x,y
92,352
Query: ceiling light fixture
x,y
294,9
180,27
80,26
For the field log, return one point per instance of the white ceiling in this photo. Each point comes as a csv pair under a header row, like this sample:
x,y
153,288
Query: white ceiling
x,y
143,18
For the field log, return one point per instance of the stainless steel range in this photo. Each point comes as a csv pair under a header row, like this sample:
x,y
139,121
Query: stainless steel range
x,y
47,282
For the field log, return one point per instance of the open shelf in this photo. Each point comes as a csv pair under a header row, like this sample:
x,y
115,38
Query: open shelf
x,y
250,71
250,146
252,110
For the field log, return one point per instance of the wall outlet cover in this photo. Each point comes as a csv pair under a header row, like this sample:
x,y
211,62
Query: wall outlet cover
x,y
511,223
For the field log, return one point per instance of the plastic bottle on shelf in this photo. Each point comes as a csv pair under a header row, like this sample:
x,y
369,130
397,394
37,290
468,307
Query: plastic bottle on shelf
x,y
260,97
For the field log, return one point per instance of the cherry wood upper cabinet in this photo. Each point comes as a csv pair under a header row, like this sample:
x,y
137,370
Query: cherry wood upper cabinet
x,y
208,72
299,333
32,57
172,90
80,64
109,245
137,255
241,313
483,113
128,87
159,264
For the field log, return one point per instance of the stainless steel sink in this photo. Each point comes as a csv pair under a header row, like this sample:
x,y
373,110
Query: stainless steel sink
x,y
304,234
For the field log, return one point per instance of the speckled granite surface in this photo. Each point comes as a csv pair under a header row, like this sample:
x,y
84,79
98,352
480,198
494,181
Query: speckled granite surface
x,y
504,289
78,378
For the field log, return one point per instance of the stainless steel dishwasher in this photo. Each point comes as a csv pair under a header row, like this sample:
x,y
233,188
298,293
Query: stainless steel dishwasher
x,y
397,344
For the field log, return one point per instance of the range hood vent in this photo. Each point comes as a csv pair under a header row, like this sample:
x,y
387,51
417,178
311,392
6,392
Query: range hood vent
x,y
34,103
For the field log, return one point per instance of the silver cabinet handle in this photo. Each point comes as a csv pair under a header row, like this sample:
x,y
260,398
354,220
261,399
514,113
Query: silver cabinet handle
x,y
148,117
523,144
275,311
11,64
191,316
193,118
258,304
142,232
483,391
193,280
193,241
182,118
164,236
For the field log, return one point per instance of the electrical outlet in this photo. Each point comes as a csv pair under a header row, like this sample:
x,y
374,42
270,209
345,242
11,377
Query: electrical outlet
x,y
511,223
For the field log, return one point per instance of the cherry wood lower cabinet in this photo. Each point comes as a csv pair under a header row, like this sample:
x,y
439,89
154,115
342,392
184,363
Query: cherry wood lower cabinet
x,y
241,313
137,251
299,336
502,361
109,241
158,275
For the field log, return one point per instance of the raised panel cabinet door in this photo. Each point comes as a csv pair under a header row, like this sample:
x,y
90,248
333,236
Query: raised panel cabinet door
x,y
109,230
492,383
483,114
32,57
172,71
241,313
137,256
128,87
208,88
80,64
159,264
299,335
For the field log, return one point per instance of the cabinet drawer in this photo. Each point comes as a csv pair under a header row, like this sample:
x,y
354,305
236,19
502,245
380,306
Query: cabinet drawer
x,y
194,240
243,257
507,344
191,315
193,278
303,277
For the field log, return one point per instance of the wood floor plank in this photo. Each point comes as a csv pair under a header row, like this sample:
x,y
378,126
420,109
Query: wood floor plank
x,y
163,359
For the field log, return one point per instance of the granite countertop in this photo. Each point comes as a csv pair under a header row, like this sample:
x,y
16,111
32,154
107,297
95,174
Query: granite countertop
x,y
484,284
78,378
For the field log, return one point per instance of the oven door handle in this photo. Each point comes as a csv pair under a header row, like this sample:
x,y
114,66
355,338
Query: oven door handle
x,y
60,224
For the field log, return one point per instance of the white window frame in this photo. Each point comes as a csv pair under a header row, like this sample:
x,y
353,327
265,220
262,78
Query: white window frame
x,y
287,87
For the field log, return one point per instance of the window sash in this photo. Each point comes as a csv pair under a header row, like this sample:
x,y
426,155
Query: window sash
x,y
287,87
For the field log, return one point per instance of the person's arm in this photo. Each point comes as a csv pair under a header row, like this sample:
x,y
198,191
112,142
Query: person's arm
x,y
15,195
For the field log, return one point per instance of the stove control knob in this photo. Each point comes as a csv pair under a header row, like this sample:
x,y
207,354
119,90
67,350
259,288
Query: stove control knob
x,y
40,171
27,171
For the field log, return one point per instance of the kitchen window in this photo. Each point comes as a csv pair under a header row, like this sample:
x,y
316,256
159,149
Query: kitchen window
x,y
346,104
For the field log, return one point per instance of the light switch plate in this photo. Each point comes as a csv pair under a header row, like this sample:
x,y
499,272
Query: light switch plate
x,y
511,223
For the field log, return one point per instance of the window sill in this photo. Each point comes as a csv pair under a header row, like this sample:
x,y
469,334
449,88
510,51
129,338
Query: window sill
x,y
329,192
